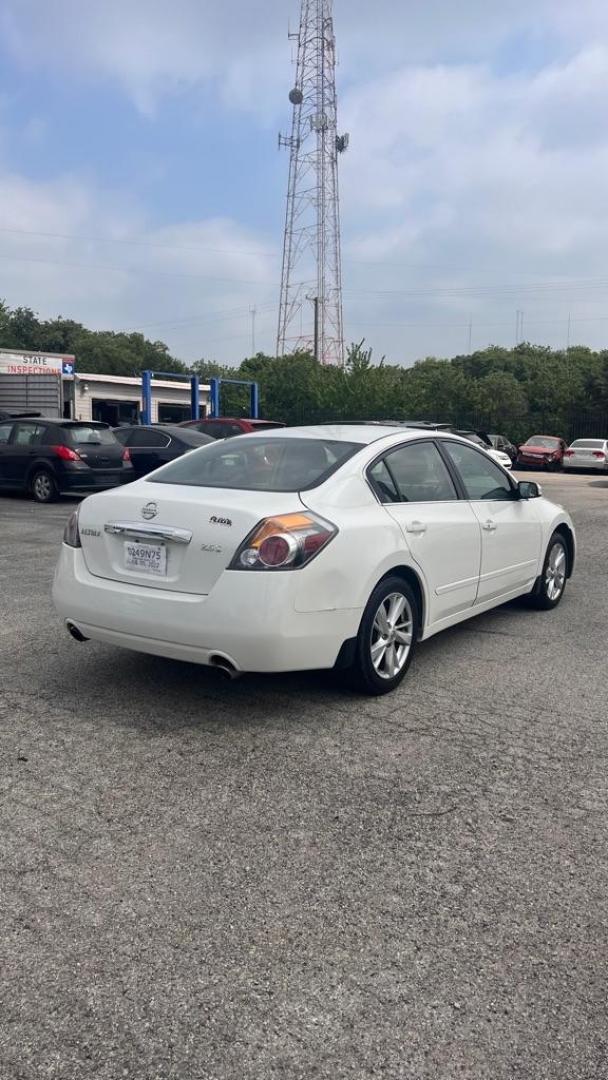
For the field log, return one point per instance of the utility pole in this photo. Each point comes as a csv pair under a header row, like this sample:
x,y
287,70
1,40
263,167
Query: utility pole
x,y
311,244
470,335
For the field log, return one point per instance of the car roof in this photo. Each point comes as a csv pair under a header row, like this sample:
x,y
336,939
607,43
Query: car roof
x,y
353,433
59,421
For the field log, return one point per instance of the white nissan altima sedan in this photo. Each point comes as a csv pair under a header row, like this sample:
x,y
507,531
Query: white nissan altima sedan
x,y
313,547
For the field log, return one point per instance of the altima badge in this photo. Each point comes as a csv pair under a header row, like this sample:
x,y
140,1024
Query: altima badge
x,y
149,511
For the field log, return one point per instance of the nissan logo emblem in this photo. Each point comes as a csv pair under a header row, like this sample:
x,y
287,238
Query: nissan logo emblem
x,y
149,511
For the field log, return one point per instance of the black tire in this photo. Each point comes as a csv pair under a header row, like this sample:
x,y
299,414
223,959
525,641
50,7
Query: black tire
x,y
371,677
43,487
544,597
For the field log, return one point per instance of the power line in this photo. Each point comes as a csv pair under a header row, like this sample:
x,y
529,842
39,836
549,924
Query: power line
x,y
136,242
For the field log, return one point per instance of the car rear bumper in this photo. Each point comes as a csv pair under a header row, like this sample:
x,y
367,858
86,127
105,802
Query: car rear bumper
x,y
253,625
76,483
593,464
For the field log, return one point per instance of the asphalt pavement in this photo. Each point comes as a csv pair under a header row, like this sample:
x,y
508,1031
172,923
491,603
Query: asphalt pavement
x,y
275,878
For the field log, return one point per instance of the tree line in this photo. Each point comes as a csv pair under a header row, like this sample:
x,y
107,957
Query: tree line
x,y
527,389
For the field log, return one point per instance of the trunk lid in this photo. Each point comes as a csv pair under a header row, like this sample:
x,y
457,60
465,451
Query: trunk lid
x,y
189,535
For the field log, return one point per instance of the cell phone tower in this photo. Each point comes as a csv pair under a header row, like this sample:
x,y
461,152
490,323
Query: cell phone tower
x,y
310,313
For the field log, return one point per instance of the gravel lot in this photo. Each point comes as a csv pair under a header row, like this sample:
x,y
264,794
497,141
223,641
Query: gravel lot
x,y
275,879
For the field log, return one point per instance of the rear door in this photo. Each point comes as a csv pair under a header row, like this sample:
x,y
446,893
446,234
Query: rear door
x,y
510,529
440,529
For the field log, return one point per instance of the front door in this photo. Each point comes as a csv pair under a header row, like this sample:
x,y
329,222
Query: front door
x,y
19,455
510,529
5,433
441,530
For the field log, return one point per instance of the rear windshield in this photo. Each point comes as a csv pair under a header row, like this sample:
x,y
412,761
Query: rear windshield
x,y
257,464
265,425
543,441
588,444
80,434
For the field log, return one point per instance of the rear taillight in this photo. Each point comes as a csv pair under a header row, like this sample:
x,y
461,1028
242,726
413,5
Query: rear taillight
x,y
568,453
66,453
599,454
126,454
286,542
71,534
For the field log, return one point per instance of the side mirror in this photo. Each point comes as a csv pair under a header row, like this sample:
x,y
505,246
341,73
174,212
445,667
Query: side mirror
x,y
529,489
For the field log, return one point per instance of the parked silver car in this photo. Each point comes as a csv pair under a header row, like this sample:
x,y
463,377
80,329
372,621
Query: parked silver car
x,y
587,454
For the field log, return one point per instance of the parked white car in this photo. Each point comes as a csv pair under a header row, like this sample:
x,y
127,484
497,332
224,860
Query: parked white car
x,y
500,456
587,454
310,548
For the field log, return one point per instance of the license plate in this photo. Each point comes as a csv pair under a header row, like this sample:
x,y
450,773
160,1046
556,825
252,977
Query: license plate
x,y
146,558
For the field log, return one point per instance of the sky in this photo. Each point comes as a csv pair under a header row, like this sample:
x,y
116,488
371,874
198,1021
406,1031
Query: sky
x,y
141,187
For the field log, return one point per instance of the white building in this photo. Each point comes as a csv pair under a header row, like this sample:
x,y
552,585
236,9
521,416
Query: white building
x,y
117,399
47,384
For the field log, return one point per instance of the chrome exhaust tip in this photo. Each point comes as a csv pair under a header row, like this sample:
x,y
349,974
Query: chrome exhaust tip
x,y
224,667
75,632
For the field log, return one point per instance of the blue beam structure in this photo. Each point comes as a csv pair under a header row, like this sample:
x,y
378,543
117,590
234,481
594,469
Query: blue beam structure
x,y
215,386
146,392
146,397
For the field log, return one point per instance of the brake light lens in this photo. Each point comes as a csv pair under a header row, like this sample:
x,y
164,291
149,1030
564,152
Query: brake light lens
x,y
66,453
71,533
126,454
568,453
286,542
599,454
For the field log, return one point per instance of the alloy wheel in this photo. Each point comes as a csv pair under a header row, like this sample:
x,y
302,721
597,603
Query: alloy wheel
x,y
555,574
43,487
391,636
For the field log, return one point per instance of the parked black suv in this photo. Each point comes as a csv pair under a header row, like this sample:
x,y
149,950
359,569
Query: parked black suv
x,y
48,457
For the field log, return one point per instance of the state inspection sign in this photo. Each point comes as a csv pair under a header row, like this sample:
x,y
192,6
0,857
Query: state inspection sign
x,y
33,363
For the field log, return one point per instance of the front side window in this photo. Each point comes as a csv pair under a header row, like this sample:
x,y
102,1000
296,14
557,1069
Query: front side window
x,y
416,472
481,477
259,464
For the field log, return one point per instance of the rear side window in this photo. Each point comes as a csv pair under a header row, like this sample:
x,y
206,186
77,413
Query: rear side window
x,y
5,433
191,437
417,473
258,464
83,434
144,437
481,477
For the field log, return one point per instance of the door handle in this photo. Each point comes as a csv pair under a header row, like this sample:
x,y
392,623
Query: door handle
x,y
489,525
416,527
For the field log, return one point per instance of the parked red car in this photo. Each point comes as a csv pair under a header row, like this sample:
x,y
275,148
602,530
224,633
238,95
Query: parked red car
x,y
541,452
224,427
